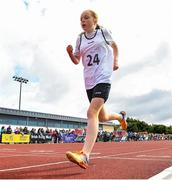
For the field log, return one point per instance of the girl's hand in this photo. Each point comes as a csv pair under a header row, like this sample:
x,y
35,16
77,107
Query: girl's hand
x,y
69,49
115,67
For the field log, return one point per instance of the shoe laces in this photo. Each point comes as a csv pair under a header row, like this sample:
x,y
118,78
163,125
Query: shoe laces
x,y
85,157
123,113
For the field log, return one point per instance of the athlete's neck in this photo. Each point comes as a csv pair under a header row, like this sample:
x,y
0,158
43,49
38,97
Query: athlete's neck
x,y
90,32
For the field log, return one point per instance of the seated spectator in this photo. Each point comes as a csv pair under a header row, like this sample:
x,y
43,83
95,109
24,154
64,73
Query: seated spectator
x,y
21,130
47,131
55,136
25,130
3,130
17,130
33,131
9,130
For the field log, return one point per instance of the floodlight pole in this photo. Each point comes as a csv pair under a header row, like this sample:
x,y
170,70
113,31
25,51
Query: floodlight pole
x,y
21,80
20,96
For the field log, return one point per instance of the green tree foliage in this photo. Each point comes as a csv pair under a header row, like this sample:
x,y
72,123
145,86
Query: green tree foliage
x,y
136,125
169,130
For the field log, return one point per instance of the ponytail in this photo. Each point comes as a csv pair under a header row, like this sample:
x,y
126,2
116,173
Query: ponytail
x,y
98,26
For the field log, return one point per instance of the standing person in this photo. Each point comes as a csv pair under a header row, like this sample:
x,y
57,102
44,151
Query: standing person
x,y
99,54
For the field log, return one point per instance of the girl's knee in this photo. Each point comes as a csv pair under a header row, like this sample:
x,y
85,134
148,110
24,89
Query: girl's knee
x,y
103,118
91,113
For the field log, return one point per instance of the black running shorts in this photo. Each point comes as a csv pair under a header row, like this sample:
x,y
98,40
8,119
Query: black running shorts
x,y
101,90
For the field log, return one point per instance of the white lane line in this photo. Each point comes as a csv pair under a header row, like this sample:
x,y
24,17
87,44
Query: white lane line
x,y
62,162
152,156
164,175
41,154
7,150
137,159
29,155
129,153
10,154
95,153
34,166
41,151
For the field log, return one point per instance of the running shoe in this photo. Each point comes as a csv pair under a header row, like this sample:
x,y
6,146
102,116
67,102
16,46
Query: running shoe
x,y
78,158
123,122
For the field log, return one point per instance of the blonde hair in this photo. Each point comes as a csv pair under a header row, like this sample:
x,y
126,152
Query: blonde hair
x,y
95,16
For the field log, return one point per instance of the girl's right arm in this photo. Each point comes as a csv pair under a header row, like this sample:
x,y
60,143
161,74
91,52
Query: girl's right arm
x,y
75,59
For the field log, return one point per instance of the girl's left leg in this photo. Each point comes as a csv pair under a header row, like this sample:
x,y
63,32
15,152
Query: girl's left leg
x,y
104,116
121,117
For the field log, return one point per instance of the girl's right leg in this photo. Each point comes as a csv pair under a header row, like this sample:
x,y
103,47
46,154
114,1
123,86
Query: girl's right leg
x,y
81,158
92,124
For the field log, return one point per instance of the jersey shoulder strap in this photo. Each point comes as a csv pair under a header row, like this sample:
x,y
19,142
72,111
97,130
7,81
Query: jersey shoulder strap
x,y
80,40
101,28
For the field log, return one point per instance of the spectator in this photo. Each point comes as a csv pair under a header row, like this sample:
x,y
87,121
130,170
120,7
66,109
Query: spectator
x,y
2,131
9,130
17,130
25,130
55,136
33,131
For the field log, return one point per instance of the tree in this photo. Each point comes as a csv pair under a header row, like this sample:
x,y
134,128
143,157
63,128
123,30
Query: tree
x,y
136,125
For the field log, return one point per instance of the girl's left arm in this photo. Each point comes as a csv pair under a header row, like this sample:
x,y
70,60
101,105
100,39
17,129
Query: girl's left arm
x,y
111,42
115,54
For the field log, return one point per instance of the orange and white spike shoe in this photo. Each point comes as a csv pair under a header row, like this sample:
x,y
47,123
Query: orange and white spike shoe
x,y
78,157
123,121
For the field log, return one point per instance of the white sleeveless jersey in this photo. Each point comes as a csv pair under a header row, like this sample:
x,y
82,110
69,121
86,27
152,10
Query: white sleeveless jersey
x,y
97,57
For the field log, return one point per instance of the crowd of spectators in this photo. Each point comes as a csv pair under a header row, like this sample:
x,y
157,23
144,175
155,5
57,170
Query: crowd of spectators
x,y
42,135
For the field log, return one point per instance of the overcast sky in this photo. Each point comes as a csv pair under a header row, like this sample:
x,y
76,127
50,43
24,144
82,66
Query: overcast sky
x,y
33,39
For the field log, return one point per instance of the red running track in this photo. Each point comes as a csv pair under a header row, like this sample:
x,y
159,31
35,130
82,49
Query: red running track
x,y
109,160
